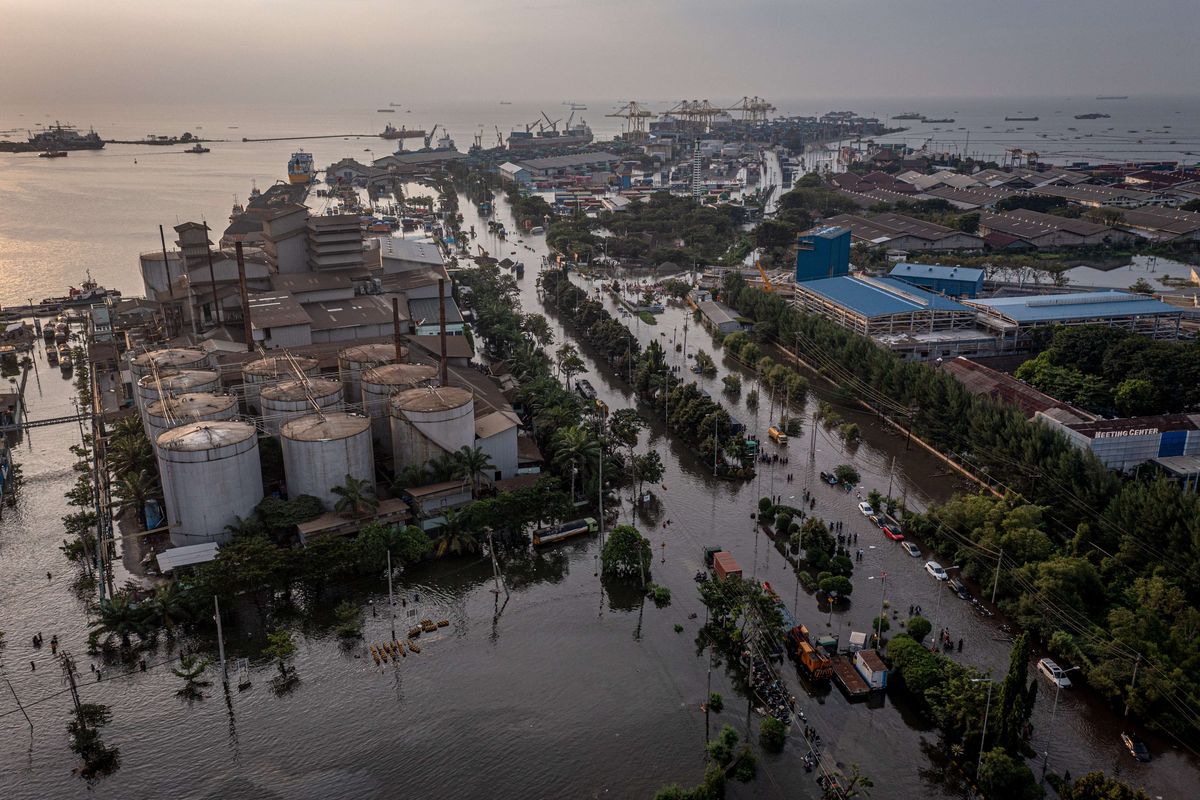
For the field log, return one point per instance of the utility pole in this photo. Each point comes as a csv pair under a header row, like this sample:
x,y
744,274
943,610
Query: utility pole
x,y
68,668
27,719
996,580
220,639
1132,683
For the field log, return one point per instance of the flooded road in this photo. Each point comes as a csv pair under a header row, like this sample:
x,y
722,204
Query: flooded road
x,y
570,688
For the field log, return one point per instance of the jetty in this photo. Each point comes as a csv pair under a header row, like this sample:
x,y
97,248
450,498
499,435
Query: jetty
x,y
322,136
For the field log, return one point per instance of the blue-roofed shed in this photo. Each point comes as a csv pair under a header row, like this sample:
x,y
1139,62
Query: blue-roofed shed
x,y
952,281
882,306
1014,317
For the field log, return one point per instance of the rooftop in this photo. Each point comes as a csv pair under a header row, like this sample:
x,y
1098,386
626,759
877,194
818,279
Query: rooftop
x,y
364,309
274,366
937,271
431,399
1076,305
424,311
275,310
574,160
194,405
200,436
420,250
308,282
1134,426
296,389
494,423
878,297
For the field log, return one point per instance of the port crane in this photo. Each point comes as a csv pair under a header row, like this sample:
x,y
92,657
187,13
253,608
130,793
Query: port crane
x,y
753,109
499,137
429,136
767,285
635,116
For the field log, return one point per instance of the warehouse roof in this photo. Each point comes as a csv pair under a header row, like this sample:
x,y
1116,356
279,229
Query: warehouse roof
x,y
424,311
562,162
365,309
717,313
1162,220
878,297
1076,305
419,250
276,309
936,271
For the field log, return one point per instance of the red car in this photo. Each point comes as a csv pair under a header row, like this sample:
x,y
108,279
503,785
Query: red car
x,y
893,533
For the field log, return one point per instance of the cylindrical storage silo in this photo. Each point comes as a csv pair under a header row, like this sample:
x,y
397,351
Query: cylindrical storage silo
x,y
320,450
162,415
353,360
271,369
379,384
211,476
295,398
428,422
168,359
175,383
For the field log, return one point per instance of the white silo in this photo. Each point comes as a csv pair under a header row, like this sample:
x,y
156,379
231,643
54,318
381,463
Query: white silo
x,y
168,359
295,398
428,422
162,415
211,475
320,450
379,384
271,369
353,360
176,382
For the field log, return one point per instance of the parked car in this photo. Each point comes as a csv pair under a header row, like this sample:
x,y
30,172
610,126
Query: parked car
x,y
1054,673
865,508
1136,747
935,569
911,549
892,533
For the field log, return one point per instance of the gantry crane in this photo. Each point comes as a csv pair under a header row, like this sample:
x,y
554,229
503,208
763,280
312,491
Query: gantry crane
x,y
635,116
753,109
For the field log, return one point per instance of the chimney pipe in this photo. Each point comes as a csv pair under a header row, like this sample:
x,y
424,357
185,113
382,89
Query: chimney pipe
x,y
442,326
396,327
247,327
162,237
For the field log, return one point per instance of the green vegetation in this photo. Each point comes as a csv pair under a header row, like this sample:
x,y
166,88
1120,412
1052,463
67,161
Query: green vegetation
x,y
772,734
846,473
780,378
726,759
733,384
661,595
1112,371
627,554
99,759
716,703
918,628
708,367
191,668
1097,786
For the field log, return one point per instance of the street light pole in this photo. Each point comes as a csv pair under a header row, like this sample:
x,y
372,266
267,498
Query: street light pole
x,y
1053,713
983,736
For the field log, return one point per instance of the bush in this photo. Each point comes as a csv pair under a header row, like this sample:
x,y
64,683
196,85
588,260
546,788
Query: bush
x,y
715,702
752,398
678,628
846,474
849,432
880,624
918,628
772,734
660,594
626,553
733,384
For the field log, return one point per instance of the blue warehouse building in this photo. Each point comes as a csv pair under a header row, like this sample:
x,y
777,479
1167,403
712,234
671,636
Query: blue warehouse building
x,y
950,281
823,253
1013,319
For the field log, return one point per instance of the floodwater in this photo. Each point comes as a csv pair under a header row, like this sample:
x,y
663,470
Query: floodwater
x,y
1151,269
570,688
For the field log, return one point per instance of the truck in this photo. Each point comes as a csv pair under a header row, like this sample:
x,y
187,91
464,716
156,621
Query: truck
x,y
724,565
811,659
777,436
566,530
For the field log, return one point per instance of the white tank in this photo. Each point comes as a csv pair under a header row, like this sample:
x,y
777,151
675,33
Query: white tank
x,y
169,359
162,415
175,383
211,475
271,369
320,450
289,399
428,422
379,384
353,360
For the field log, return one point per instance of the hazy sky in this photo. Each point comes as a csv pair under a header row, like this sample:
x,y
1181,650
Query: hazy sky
x,y
259,51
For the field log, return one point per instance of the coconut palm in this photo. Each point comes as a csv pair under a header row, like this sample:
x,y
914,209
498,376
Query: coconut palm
x,y
191,668
576,448
165,607
473,464
442,468
133,489
356,497
452,539
119,616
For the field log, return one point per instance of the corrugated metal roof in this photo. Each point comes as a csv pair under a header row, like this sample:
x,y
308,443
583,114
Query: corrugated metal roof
x,y
907,270
1076,305
879,297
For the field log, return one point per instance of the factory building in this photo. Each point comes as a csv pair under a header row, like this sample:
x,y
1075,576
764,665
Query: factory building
x,y
823,252
900,232
1123,444
950,281
1013,320
719,317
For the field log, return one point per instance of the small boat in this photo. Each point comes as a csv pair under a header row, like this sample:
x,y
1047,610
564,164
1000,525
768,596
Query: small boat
x,y
197,148
53,154
428,625
1136,747
1020,119
442,623
413,646
413,632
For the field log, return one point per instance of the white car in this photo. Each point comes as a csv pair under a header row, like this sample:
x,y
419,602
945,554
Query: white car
x,y
865,508
1054,673
935,569
911,549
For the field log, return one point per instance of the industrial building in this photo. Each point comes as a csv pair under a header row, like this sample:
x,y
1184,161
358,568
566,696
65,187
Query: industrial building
x,y
1050,230
1013,320
719,317
823,252
899,232
1123,444
1105,196
560,166
950,281
1162,224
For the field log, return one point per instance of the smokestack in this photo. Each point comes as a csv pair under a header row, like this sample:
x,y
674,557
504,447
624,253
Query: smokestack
x,y
162,237
442,325
396,327
247,327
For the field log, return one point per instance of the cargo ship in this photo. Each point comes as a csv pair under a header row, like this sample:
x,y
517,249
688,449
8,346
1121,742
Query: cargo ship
x,y
88,292
1092,115
301,169
909,115
575,134
1020,119
392,132
56,138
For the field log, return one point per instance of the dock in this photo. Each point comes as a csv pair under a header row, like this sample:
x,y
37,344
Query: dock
x,y
322,136
848,678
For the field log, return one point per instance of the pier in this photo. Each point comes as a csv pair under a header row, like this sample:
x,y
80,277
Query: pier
x,y
322,136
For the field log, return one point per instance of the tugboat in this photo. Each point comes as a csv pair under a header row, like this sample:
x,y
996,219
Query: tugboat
x,y
53,154
197,148
301,168
88,292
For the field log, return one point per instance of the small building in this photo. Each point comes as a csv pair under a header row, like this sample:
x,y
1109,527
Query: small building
x,y
426,318
823,252
872,669
335,242
516,172
365,316
496,435
575,164
719,317
950,281
430,503
1161,224
277,320
1124,444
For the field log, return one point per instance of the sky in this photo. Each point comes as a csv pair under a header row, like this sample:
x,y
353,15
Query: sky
x,y
262,51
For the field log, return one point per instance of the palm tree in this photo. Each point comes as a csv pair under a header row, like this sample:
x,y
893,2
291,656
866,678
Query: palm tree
x,y
133,490
356,497
165,607
410,477
473,463
118,617
191,668
576,448
442,468
537,327
452,539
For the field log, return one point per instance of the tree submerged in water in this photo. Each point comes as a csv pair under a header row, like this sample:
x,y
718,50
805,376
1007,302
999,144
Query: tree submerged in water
x,y
191,669
99,760
626,553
